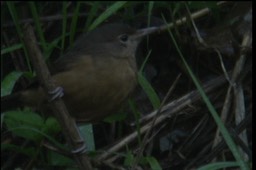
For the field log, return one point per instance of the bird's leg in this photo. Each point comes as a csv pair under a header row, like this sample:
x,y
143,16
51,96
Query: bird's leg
x,y
81,149
58,92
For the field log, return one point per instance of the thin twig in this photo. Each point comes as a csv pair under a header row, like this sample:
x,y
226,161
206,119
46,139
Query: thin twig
x,y
146,137
237,71
167,111
238,91
207,156
66,121
194,15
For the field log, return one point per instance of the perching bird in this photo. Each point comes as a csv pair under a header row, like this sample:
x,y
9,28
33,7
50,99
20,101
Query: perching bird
x,y
97,74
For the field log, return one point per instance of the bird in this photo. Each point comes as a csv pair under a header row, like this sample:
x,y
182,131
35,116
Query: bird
x,y
97,74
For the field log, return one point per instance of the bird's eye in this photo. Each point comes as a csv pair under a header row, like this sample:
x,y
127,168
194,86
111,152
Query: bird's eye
x,y
123,37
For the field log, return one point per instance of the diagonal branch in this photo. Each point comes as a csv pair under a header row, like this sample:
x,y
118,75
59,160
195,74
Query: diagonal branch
x,y
67,123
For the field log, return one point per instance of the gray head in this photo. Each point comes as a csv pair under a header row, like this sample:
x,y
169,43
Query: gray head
x,y
117,40
110,40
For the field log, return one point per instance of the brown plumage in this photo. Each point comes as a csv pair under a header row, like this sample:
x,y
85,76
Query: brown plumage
x,y
97,74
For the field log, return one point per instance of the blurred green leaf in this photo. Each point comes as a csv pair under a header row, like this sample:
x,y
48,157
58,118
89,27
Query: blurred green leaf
x,y
93,12
38,25
149,90
53,45
150,8
218,165
51,126
14,14
146,86
64,25
31,126
24,124
154,165
8,82
129,159
110,11
11,48
74,23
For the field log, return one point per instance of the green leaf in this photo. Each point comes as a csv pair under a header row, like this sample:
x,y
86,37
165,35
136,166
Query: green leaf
x,y
64,25
15,17
11,48
24,124
93,12
145,61
24,117
51,46
150,8
129,159
31,126
38,25
51,126
149,90
74,23
110,11
146,86
8,83
218,165
153,163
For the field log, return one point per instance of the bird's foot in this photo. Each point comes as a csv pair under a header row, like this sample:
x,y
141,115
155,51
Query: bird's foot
x,y
80,150
58,92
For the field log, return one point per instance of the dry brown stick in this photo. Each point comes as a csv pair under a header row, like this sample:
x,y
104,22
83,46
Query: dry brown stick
x,y
238,90
233,85
183,20
194,15
221,145
227,103
167,111
66,121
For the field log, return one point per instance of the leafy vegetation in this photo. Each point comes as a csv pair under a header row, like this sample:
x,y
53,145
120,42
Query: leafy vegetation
x,y
209,129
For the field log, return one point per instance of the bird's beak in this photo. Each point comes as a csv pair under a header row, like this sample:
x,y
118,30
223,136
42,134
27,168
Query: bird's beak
x,y
143,32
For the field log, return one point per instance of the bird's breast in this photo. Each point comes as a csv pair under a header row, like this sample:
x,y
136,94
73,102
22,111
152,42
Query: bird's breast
x,y
94,89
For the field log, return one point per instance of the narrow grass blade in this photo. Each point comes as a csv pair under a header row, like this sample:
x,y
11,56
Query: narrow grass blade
x,y
231,144
110,11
